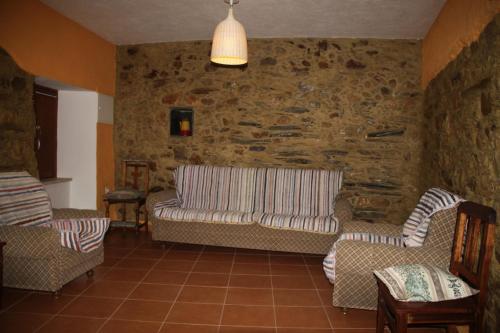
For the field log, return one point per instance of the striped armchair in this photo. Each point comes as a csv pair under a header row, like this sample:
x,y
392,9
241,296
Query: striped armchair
x,y
34,256
365,247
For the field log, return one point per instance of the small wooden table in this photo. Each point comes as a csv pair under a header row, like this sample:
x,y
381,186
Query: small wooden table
x,y
2,244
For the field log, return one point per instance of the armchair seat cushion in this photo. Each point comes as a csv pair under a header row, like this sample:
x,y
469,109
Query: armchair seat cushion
x,y
319,224
329,261
203,215
125,194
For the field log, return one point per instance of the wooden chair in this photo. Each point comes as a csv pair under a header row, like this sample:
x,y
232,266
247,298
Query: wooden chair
x,y
131,192
470,260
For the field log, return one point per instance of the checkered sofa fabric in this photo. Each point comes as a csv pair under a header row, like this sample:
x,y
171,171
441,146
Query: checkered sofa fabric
x,y
355,285
23,200
294,199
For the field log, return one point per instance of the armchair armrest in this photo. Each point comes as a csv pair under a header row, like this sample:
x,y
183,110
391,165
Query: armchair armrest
x,y
355,257
343,211
69,213
374,228
30,242
154,198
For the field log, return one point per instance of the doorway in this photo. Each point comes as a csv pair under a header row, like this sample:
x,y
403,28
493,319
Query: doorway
x,y
45,106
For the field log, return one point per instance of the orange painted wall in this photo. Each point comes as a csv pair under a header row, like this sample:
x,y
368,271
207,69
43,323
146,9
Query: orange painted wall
x,y
459,23
46,43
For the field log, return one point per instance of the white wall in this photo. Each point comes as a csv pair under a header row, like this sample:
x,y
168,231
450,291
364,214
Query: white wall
x,y
59,193
105,114
76,145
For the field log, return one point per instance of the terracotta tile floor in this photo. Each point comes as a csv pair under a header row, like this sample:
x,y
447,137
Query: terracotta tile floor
x,y
187,288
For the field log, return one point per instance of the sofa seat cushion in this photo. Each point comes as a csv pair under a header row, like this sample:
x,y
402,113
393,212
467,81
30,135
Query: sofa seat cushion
x,y
204,215
318,224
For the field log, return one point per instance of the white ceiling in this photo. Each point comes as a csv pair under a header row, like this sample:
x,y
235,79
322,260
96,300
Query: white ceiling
x,y
148,21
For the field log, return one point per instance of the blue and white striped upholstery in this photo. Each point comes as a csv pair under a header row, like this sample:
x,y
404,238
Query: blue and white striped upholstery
x,y
295,199
431,202
83,235
23,200
329,261
216,188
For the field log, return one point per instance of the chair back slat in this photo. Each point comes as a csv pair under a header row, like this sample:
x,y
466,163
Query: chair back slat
x,y
473,247
138,171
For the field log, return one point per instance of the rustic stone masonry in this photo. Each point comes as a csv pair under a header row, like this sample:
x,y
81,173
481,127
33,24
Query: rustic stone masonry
x,y
301,103
17,118
462,140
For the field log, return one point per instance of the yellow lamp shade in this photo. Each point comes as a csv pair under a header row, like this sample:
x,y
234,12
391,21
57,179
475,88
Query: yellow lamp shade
x,y
229,45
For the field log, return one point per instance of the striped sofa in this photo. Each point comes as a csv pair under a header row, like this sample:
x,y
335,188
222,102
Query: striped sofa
x,y
296,210
45,248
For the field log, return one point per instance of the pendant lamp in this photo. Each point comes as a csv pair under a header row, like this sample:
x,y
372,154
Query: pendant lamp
x,y
229,45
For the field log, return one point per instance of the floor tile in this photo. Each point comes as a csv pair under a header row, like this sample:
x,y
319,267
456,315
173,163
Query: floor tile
x,y
126,326
77,286
216,256
92,307
242,315
245,296
188,328
181,255
306,330
299,297
277,269
65,324
116,252
235,329
187,247
321,282
254,269
250,281
41,303
195,313
208,279
126,275
175,265
353,319
314,260
251,259
202,294
143,310
306,317
287,260
104,288
147,253
212,267
21,322
166,277
155,292
292,282
12,296
136,263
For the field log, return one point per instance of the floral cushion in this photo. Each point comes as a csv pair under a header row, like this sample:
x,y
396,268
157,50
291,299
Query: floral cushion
x,y
423,283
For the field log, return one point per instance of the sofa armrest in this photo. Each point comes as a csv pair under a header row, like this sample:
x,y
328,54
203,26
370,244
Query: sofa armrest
x,y
69,213
355,257
343,211
30,242
374,228
154,198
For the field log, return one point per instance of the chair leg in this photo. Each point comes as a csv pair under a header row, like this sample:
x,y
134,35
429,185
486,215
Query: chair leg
x,y
137,217
473,328
146,218
401,325
380,319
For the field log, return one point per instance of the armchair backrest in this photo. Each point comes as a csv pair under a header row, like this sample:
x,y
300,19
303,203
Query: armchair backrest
x,y
23,200
441,229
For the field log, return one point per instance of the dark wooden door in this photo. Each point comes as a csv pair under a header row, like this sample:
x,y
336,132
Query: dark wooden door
x,y
45,100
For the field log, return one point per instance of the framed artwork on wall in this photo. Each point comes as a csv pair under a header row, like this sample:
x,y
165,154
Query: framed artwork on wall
x,y
181,121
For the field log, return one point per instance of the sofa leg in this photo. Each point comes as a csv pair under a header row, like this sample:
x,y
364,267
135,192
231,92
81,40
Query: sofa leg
x,y
90,273
56,293
344,310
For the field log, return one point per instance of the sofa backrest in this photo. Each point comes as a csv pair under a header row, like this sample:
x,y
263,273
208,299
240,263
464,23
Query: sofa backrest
x,y
23,200
302,192
442,229
217,188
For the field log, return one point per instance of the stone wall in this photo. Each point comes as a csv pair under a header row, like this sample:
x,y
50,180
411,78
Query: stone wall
x,y
462,141
17,118
300,103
